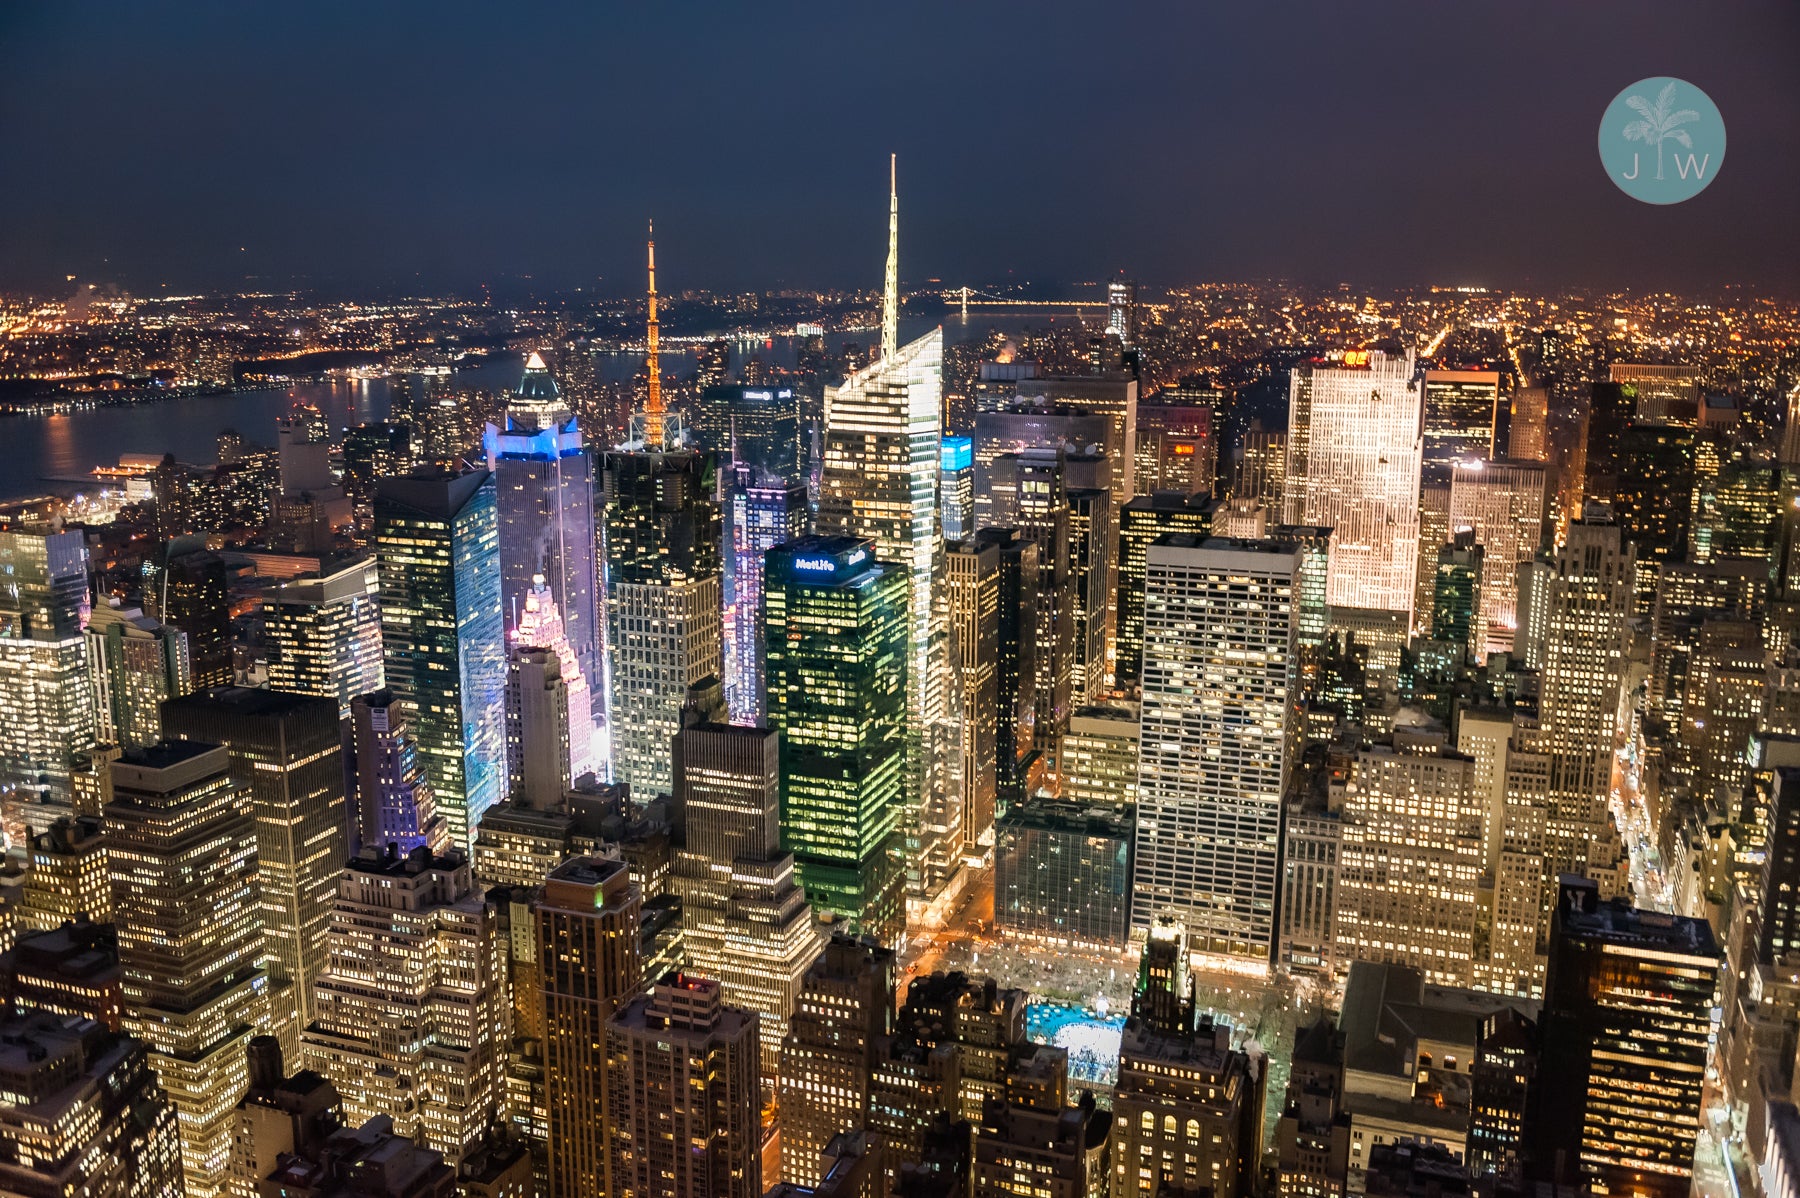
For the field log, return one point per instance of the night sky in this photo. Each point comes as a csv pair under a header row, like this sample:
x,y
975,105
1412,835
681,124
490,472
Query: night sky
x,y
379,145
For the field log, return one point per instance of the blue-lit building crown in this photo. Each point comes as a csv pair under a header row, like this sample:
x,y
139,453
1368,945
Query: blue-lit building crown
x,y
956,453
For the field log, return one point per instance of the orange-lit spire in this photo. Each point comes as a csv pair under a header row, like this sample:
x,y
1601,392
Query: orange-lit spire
x,y
653,406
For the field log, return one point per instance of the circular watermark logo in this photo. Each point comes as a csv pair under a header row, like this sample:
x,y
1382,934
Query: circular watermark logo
x,y
1662,141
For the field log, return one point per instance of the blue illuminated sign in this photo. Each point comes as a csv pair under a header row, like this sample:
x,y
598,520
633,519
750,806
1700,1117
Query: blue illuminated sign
x,y
956,453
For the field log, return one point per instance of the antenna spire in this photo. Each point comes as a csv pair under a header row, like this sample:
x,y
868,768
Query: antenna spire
x,y
890,295
653,405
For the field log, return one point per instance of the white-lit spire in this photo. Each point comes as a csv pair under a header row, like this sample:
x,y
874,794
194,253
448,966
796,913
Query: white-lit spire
x,y
890,295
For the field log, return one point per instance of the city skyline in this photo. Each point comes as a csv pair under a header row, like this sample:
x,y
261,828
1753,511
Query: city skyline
x,y
1258,740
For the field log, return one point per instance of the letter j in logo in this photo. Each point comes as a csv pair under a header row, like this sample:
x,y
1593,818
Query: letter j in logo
x,y
1662,141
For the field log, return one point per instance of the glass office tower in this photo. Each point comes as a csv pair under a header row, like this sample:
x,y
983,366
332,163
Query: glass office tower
x,y
437,542
46,699
836,626
764,512
544,488
1460,422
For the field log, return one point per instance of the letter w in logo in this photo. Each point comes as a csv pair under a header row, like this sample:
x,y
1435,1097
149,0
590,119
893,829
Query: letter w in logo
x,y
1686,163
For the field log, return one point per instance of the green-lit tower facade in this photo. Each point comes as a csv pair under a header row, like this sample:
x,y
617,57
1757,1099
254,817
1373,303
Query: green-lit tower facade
x,y
835,622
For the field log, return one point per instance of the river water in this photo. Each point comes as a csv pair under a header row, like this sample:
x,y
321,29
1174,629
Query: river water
x,y
41,454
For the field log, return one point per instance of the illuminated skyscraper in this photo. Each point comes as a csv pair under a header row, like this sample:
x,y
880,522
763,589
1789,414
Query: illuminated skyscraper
x,y
1021,426
1262,467
68,879
715,361
188,589
1455,613
324,633
1653,499
1737,511
1015,754
844,1012
1528,434
1715,745
663,604
46,696
1411,858
1187,1110
879,482
1111,395
1687,597
181,843
1627,1025
1121,310
1100,757
537,726
82,1114
286,755
1141,522
384,449
1353,466
135,663
587,936
1580,597
835,619
763,514
1663,393
684,1103
974,586
956,487
755,427
744,920
1434,534
1094,585
1178,435
1219,679
394,804
1510,786
437,541
544,489
411,1010
1038,508
1461,415
540,650
1503,503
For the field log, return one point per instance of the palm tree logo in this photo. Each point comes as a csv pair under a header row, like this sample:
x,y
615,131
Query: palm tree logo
x,y
1659,123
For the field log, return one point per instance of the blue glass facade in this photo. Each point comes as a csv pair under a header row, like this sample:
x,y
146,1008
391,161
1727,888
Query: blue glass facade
x,y
438,544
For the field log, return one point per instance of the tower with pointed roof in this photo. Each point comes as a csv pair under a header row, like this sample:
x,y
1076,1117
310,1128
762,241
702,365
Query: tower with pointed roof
x,y
883,430
544,480
653,403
